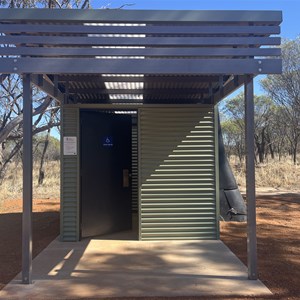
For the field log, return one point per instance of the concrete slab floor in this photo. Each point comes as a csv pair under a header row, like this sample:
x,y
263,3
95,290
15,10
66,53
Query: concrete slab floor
x,y
100,268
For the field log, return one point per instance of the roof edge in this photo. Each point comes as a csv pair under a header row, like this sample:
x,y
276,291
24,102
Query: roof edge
x,y
123,15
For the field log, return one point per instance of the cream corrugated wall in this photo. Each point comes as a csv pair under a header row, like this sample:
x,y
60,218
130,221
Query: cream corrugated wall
x,y
177,173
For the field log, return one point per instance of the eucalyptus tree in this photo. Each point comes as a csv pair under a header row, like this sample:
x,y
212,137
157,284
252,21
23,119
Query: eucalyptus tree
x,y
45,4
46,109
45,117
284,90
235,124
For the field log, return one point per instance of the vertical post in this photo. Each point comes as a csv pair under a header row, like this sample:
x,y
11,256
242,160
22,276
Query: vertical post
x,y
27,182
250,178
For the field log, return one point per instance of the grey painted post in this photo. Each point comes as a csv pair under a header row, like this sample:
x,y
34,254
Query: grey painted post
x,y
250,179
27,182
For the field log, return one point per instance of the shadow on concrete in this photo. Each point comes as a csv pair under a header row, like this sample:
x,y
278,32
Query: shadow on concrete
x,y
186,269
115,268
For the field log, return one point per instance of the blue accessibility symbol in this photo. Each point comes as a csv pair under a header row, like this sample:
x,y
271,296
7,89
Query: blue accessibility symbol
x,y
107,141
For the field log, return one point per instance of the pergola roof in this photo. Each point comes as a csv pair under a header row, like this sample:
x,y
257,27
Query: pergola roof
x,y
132,56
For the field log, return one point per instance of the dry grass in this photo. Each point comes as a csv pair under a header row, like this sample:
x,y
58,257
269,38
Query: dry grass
x,y
279,175
11,187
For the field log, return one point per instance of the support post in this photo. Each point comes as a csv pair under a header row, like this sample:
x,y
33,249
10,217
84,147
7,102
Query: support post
x,y
250,179
27,182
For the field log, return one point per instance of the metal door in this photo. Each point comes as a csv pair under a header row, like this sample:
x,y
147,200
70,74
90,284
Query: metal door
x,y
105,172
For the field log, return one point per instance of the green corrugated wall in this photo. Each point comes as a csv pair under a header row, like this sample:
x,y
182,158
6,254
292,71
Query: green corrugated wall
x,y
177,173
134,168
69,178
177,185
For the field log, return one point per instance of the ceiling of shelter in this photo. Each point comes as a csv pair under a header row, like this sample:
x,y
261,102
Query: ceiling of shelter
x,y
131,88
139,57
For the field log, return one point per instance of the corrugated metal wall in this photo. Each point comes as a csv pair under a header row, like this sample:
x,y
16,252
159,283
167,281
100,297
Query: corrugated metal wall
x,y
134,171
177,173
69,179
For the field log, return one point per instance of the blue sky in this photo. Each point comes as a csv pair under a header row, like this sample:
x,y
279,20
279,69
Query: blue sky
x,y
290,8
290,28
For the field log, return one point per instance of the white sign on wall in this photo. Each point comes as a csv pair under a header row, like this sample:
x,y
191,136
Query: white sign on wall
x,y
70,145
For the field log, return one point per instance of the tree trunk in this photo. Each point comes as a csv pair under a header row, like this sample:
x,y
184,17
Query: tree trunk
x,y
6,131
263,144
295,155
41,169
14,151
271,151
260,152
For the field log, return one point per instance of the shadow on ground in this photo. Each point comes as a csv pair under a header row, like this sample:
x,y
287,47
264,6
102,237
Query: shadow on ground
x,y
45,229
278,229
105,268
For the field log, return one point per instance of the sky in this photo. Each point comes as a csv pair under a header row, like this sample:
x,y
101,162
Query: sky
x,y
290,28
290,8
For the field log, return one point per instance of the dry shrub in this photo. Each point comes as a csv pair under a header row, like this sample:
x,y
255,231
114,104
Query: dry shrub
x,y
281,175
277,174
11,186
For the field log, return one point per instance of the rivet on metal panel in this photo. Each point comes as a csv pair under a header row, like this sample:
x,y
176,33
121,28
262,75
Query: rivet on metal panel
x,y
15,69
260,69
15,60
259,62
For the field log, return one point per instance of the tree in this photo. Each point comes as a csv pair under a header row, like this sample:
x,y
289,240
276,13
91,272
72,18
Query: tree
x,y
264,111
233,138
277,134
45,4
234,127
46,110
11,117
284,90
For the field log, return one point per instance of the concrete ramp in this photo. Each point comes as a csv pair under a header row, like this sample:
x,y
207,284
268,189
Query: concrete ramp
x,y
118,268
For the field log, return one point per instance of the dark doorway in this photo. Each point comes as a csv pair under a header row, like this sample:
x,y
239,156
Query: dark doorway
x,y
105,172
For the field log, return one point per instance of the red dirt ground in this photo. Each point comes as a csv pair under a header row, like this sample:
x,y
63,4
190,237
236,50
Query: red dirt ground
x,y
278,233
45,230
